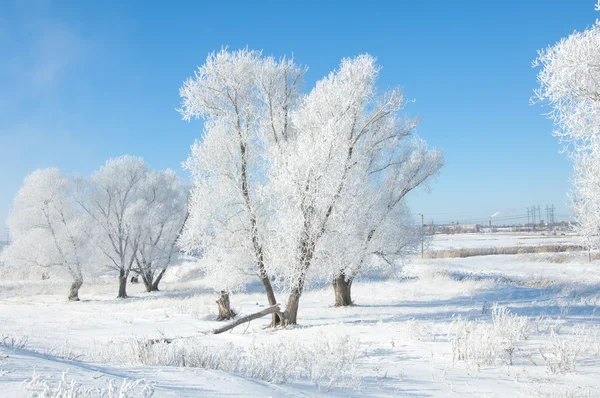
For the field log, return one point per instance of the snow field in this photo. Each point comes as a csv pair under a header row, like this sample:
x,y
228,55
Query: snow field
x,y
489,326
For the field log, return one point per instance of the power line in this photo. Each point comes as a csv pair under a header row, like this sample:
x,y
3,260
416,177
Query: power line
x,y
533,216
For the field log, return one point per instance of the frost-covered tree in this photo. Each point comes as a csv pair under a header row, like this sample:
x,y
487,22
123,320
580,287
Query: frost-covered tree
x,y
245,100
114,198
165,210
381,235
570,83
338,183
48,227
285,187
586,197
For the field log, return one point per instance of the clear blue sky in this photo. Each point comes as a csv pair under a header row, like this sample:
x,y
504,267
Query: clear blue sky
x,y
83,81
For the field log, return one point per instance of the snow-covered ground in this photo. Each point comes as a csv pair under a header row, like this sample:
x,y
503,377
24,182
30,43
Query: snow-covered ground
x,y
427,334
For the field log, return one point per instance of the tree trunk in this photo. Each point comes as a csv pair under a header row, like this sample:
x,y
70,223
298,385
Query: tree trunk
x,y
258,249
269,310
122,284
225,311
276,319
157,280
147,278
342,289
291,309
74,292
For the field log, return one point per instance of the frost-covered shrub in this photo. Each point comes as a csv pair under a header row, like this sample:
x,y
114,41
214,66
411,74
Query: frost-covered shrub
x,y
326,361
553,390
509,326
419,331
561,355
544,324
480,343
13,342
592,340
66,388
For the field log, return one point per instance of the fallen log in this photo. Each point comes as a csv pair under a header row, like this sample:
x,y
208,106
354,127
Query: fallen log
x,y
269,310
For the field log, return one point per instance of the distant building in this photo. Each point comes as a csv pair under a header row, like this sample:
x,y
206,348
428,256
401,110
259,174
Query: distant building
x,y
455,228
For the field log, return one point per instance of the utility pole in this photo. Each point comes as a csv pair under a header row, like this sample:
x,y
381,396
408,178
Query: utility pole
x,y
422,233
528,218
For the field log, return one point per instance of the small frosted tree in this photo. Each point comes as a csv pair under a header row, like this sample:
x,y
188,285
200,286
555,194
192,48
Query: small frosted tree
x,y
165,211
113,197
48,228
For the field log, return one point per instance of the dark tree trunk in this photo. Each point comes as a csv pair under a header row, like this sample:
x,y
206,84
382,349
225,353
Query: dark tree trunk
x,y
122,284
291,309
342,289
157,280
74,292
147,279
276,319
225,311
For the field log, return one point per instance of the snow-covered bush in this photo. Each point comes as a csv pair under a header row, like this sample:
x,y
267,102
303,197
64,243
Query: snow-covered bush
x,y
481,343
326,361
592,340
553,390
509,326
65,388
561,354
419,331
544,324
12,342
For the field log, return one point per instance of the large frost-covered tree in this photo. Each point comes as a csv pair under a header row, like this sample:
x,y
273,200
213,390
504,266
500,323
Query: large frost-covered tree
x,y
48,227
338,184
245,101
284,187
570,83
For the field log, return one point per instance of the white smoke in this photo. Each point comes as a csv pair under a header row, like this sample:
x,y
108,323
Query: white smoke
x,y
495,214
